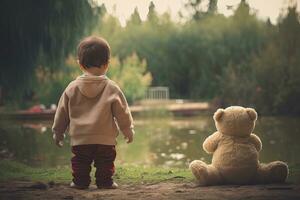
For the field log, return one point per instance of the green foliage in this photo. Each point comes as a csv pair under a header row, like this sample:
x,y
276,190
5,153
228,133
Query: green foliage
x,y
135,18
152,16
38,33
131,76
212,56
108,27
238,59
196,8
190,58
50,85
281,61
270,80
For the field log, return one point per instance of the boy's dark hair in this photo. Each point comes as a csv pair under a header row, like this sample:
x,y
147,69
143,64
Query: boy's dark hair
x,y
93,52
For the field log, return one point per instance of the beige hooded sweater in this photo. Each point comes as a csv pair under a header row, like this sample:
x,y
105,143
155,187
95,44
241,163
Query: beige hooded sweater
x,y
92,108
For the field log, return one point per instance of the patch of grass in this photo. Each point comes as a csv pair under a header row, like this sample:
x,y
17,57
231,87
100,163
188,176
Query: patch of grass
x,y
129,174
11,170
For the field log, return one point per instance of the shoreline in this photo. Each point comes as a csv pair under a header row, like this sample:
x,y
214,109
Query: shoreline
x,y
18,181
162,190
162,108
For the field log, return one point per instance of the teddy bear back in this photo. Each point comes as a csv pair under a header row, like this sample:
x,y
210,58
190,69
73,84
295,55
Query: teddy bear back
x,y
235,121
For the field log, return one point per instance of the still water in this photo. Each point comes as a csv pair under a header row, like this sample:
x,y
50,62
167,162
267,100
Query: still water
x,y
165,141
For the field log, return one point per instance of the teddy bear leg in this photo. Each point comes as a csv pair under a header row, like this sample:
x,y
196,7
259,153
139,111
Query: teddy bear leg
x,y
199,170
205,174
214,177
274,172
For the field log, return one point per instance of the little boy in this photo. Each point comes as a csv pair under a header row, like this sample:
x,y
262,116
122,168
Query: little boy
x,y
92,108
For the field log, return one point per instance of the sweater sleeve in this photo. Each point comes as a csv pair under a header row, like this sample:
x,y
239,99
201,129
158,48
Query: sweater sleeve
x,y
121,112
61,119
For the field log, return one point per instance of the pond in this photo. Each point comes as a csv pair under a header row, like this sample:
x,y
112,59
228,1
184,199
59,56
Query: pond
x,y
159,141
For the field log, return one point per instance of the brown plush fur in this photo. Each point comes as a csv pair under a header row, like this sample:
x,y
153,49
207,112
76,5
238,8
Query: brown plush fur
x,y
235,152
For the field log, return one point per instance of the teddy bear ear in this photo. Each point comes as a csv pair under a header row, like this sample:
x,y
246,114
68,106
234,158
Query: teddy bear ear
x,y
252,113
218,114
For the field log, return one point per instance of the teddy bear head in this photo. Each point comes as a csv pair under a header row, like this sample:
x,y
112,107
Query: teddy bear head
x,y
235,121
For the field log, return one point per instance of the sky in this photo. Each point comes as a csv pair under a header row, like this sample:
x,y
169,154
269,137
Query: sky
x,y
124,8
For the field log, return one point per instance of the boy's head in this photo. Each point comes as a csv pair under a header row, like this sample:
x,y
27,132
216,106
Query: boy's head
x,y
93,52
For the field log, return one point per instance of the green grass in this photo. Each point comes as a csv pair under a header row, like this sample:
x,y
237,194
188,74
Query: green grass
x,y
11,170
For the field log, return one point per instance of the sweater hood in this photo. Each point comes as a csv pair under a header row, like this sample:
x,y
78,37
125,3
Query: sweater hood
x,y
91,86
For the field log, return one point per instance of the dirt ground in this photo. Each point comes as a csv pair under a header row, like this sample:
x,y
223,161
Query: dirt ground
x,y
163,190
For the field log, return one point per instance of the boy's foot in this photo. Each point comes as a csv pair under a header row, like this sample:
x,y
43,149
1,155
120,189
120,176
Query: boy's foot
x,y
73,185
113,186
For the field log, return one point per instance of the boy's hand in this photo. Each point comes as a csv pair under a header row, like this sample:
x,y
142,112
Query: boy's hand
x,y
129,136
58,142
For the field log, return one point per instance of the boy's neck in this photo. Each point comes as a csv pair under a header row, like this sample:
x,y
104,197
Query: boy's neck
x,y
95,71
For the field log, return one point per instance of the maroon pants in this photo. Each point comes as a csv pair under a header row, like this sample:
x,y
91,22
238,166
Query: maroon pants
x,y
103,157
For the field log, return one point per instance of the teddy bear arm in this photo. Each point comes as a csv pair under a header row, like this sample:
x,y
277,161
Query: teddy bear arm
x,y
211,143
256,141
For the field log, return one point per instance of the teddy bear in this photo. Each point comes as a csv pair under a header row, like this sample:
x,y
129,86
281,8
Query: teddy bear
x,y
235,152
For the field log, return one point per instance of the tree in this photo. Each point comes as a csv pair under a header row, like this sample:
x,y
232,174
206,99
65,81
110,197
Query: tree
x,y
198,10
131,75
278,68
269,78
194,5
212,6
152,14
241,58
38,33
135,18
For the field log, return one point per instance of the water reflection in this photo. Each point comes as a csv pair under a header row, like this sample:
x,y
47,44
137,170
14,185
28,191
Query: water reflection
x,y
159,142
31,143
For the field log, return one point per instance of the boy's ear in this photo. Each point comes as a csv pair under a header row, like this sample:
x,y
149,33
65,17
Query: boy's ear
x,y
81,67
218,114
252,113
